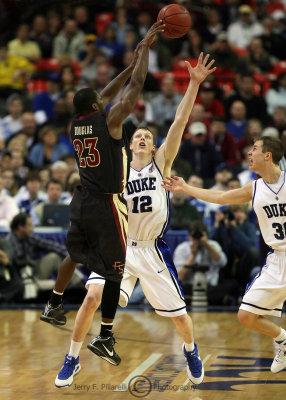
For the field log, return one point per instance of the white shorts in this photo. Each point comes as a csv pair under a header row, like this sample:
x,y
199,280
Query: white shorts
x,y
154,267
266,293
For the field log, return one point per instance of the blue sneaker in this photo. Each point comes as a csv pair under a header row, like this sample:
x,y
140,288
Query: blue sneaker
x,y
70,368
195,367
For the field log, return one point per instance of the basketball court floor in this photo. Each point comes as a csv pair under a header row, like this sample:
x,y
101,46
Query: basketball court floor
x,y
236,360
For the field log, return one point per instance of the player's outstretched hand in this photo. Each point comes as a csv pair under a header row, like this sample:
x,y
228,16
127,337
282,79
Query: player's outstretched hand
x,y
175,185
202,69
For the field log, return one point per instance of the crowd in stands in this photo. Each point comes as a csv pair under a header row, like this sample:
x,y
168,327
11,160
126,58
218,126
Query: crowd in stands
x,y
50,51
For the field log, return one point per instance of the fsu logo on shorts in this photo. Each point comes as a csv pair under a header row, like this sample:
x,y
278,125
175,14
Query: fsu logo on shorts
x,y
119,267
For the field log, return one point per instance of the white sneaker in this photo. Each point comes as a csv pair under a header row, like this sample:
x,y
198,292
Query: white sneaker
x,y
279,361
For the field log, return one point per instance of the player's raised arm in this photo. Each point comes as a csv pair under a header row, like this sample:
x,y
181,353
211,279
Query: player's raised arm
x,y
236,196
125,106
168,151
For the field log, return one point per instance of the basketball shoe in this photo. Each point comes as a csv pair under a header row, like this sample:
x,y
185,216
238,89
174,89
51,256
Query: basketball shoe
x,y
195,367
70,368
54,315
279,361
103,347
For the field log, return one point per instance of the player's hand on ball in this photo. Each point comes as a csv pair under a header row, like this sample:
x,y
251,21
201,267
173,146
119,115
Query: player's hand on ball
x,y
150,36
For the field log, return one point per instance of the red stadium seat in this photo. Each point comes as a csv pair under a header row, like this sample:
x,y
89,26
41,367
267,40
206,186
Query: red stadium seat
x,y
101,20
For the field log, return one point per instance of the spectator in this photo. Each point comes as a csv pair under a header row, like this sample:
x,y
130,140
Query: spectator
x,y
21,46
136,119
53,192
237,123
223,54
71,163
213,106
48,150
36,270
120,25
11,123
222,175
44,102
257,60
8,207
242,31
274,43
30,194
252,131
69,41
237,237
59,171
41,36
193,45
223,141
45,177
255,105
67,78
198,250
279,119
164,105
276,95
182,212
108,44
104,75
213,25
200,205
29,128
10,185
13,71
82,18
89,59
200,153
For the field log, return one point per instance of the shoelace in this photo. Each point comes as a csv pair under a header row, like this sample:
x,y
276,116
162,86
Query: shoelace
x,y
280,355
68,368
193,361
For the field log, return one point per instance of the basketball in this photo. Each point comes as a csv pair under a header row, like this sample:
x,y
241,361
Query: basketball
x,y
177,20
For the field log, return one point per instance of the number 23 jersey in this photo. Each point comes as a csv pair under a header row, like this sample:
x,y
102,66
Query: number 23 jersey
x,y
269,203
147,203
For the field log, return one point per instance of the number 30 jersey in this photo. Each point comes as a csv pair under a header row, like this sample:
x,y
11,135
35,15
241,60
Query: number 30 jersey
x,y
147,203
269,203
101,159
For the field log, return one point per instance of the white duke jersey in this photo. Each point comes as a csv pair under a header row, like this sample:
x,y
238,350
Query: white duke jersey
x,y
269,204
147,203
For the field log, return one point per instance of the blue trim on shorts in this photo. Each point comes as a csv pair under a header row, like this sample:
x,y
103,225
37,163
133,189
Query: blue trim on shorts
x,y
165,255
249,284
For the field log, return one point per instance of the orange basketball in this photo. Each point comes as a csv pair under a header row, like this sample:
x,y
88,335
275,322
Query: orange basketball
x,y
177,20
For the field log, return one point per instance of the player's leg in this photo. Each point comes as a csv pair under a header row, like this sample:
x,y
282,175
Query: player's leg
x,y
265,295
83,321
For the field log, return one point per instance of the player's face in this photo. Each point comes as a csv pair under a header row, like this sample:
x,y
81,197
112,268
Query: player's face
x,y
142,142
256,156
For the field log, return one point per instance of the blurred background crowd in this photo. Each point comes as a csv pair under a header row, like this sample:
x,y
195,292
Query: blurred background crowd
x,y
50,49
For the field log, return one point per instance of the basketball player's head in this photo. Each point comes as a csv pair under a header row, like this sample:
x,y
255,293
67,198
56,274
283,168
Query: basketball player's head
x,y
87,100
142,140
270,149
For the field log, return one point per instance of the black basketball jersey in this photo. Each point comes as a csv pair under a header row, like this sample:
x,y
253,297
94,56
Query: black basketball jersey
x,y
101,159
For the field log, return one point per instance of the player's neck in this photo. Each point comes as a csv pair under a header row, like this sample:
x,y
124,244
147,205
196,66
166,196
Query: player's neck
x,y
140,161
271,175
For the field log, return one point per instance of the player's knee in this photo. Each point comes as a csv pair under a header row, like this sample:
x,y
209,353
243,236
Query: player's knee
x,y
181,319
92,300
245,318
123,299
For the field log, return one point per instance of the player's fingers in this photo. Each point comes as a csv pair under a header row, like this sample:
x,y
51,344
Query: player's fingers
x,y
206,59
210,71
200,60
210,64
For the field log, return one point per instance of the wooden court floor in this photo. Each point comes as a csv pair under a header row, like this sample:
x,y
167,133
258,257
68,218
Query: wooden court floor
x,y
237,361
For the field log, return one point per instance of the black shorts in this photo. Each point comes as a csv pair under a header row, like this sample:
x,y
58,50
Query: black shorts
x,y
98,231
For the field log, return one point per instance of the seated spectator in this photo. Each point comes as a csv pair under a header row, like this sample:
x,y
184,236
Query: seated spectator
x,y
41,36
273,42
13,71
279,120
48,150
35,270
257,60
44,102
213,25
11,123
31,194
223,141
59,171
136,119
121,25
200,153
276,95
255,105
70,40
193,45
164,105
45,177
29,128
237,123
11,286
82,17
108,44
182,212
244,29
67,78
53,196
200,251
237,236
70,161
200,205
253,130
10,185
213,106
223,54
8,207
21,46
